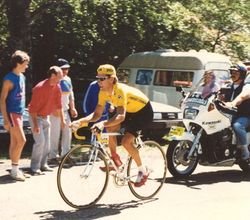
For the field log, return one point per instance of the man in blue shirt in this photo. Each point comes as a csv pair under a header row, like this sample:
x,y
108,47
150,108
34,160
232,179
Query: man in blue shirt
x,y
12,108
91,99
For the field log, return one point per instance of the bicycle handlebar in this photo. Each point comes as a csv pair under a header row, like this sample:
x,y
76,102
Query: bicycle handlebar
x,y
79,137
76,135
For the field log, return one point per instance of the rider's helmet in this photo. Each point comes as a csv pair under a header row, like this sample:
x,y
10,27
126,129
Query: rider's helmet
x,y
241,68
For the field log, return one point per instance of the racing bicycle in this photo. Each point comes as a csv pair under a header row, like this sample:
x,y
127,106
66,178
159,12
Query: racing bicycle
x,y
81,182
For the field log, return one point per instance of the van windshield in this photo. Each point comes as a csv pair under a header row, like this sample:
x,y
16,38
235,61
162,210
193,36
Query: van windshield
x,y
144,77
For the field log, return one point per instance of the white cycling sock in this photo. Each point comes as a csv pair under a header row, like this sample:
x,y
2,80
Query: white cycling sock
x,y
142,169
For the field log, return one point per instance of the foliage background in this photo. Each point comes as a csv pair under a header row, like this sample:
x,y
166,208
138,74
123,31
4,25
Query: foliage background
x,y
93,32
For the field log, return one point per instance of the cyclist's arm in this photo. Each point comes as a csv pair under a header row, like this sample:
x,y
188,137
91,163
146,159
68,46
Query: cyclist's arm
x,y
118,118
93,117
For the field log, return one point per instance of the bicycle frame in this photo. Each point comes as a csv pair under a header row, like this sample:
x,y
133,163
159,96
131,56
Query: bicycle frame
x,y
99,143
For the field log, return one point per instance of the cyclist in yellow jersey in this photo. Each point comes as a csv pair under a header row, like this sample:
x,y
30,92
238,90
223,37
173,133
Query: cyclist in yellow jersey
x,y
133,112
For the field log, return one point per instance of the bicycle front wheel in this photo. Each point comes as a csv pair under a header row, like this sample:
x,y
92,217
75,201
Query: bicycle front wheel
x,y
80,181
154,159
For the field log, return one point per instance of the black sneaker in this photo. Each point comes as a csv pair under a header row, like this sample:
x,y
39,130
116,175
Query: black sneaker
x,y
53,161
37,172
46,168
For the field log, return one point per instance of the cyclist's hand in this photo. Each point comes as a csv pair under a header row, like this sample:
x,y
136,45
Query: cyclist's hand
x,y
98,127
75,125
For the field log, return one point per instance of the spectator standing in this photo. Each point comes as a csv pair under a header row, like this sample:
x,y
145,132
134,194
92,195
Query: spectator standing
x,y
46,98
12,108
68,104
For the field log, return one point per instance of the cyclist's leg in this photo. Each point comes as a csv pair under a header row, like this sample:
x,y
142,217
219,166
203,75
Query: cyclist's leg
x,y
113,139
143,173
153,157
113,144
128,144
133,123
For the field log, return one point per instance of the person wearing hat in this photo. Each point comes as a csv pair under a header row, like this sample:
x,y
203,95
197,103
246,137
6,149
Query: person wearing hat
x,y
68,104
239,97
133,112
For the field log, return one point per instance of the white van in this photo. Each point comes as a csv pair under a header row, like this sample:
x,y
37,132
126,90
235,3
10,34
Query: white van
x,y
157,73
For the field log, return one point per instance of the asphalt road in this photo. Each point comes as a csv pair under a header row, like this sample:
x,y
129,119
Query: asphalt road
x,y
210,194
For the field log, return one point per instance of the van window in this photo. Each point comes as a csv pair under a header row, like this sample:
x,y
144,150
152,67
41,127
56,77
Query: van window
x,y
144,77
173,78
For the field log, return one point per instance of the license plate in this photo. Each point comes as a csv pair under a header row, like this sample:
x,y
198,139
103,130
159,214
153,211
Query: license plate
x,y
176,131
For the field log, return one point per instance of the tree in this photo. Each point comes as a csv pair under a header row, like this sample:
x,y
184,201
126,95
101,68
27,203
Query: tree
x,y
18,15
91,32
226,25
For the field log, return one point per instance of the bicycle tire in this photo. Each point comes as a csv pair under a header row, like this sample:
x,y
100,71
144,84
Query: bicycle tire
x,y
76,189
153,157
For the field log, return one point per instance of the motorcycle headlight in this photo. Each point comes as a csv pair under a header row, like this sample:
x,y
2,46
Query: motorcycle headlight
x,y
190,113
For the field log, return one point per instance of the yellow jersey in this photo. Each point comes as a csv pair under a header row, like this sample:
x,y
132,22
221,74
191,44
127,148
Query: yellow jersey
x,y
130,98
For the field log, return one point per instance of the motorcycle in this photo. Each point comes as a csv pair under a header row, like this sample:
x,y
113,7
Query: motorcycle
x,y
207,137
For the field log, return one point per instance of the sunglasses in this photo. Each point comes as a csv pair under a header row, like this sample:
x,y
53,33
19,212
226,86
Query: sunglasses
x,y
102,78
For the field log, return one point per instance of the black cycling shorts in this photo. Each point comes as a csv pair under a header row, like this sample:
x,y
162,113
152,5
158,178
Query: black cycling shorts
x,y
137,121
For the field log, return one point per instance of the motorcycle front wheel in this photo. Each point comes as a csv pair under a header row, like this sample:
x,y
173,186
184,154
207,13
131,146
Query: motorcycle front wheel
x,y
178,163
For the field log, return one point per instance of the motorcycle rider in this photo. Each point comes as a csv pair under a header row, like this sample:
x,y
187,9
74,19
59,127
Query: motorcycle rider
x,y
239,97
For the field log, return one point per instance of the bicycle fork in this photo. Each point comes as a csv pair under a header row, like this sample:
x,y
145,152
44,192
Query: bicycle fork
x,y
90,164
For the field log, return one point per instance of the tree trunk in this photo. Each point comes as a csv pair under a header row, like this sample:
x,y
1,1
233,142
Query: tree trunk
x,y
18,24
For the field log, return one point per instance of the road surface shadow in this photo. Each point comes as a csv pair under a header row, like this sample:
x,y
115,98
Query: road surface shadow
x,y
94,212
6,178
211,178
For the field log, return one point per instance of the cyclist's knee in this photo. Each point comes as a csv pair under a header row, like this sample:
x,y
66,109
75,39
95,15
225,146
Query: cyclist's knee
x,y
127,140
113,128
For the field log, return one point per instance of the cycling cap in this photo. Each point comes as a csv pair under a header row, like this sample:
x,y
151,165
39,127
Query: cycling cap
x,y
106,69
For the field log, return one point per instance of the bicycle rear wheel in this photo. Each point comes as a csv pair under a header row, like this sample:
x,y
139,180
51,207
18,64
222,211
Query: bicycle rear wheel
x,y
80,181
154,159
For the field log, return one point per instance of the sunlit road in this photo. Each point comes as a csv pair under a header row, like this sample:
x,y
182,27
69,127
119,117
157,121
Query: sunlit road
x,y
210,193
